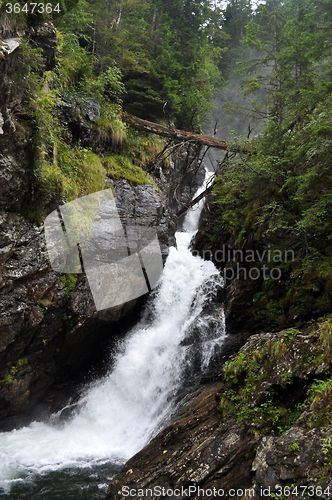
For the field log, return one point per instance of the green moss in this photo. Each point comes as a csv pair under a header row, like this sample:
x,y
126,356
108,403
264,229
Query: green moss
x,y
9,377
320,389
22,362
76,172
248,398
327,447
121,167
70,282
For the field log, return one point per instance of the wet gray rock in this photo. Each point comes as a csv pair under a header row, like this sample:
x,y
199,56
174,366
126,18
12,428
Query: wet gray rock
x,y
46,319
195,450
146,206
181,176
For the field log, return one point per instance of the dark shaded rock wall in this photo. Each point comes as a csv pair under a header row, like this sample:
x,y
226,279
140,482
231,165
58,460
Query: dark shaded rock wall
x,y
181,175
194,450
219,246
47,331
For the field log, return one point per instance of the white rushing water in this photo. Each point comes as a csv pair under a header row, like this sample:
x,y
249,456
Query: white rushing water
x,y
192,218
120,413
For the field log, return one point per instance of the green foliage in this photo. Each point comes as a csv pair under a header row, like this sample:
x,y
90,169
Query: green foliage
x,y
245,394
290,334
9,377
320,389
63,168
327,446
279,195
120,167
70,281
165,52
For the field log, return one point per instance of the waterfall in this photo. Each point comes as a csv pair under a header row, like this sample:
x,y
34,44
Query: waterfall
x,y
118,415
192,218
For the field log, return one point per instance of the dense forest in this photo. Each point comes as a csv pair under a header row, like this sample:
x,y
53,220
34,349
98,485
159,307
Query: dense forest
x,y
278,197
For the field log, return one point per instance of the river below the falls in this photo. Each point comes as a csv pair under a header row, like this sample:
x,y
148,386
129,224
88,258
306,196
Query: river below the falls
x,y
117,415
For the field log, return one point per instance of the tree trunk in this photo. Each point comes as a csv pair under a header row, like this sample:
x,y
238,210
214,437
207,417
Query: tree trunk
x,y
155,128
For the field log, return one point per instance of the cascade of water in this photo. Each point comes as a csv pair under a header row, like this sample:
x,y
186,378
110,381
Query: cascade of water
x,y
192,218
118,414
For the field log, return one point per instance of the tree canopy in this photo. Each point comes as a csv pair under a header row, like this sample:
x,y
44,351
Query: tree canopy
x,y
280,198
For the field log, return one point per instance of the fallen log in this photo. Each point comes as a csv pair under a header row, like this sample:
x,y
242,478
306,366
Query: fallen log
x,y
155,128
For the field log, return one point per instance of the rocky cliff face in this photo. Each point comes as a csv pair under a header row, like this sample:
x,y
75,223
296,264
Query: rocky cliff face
x,y
49,326
219,246
16,132
263,429
48,322
183,175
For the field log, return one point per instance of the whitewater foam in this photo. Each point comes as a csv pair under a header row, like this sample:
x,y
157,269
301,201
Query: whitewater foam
x,y
120,413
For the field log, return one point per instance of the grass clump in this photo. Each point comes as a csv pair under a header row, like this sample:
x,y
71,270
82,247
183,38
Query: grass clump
x,y
320,389
142,147
9,377
121,167
70,281
110,125
279,349
76,172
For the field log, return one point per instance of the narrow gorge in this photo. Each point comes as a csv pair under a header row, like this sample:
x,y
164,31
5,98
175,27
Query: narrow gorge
x,y
165,295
